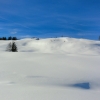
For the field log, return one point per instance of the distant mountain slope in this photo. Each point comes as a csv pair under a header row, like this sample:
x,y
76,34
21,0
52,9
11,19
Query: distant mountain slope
x,y
56,45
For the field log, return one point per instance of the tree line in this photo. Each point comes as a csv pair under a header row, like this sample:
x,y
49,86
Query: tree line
x,y
9,38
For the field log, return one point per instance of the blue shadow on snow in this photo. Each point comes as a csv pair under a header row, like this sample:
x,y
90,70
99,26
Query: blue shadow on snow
x,y
85,85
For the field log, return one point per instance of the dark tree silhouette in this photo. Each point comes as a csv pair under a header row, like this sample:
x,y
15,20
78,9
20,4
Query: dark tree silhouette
x,y
4,38
10,38
0,38
99,38
14,38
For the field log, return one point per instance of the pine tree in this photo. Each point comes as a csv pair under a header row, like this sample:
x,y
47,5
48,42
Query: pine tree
x,y
4,38
14,38
12,47
10,38
9,47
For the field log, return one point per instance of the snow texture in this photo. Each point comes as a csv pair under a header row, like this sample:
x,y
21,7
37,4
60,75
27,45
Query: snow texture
x,y
50,69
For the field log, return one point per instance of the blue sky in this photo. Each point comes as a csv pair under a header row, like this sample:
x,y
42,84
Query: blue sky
x,y
50,18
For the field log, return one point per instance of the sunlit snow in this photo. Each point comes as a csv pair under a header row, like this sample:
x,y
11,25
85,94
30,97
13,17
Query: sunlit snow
x,y
50,69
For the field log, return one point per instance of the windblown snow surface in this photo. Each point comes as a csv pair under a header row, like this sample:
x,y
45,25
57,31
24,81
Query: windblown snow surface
x,y
50,69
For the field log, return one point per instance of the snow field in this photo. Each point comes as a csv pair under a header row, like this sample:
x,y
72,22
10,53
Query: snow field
x,y
50,69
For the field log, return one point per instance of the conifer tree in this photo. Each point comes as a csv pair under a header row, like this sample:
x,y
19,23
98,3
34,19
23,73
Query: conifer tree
x,y
10,38
12,47
14,38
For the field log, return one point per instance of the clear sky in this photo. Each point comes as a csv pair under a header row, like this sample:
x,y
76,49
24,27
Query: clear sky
x,y
50,18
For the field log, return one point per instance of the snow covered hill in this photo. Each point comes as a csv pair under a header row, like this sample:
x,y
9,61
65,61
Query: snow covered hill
x,y
56,45
50,69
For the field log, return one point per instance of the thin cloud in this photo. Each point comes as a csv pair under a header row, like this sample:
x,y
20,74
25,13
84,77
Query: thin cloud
x,y
25,36
87,34
14,31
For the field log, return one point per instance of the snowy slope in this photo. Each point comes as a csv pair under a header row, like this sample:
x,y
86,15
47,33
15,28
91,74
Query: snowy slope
x,y
56,45
50,69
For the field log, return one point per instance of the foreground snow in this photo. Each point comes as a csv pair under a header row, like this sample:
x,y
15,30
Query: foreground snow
x,y
53,74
